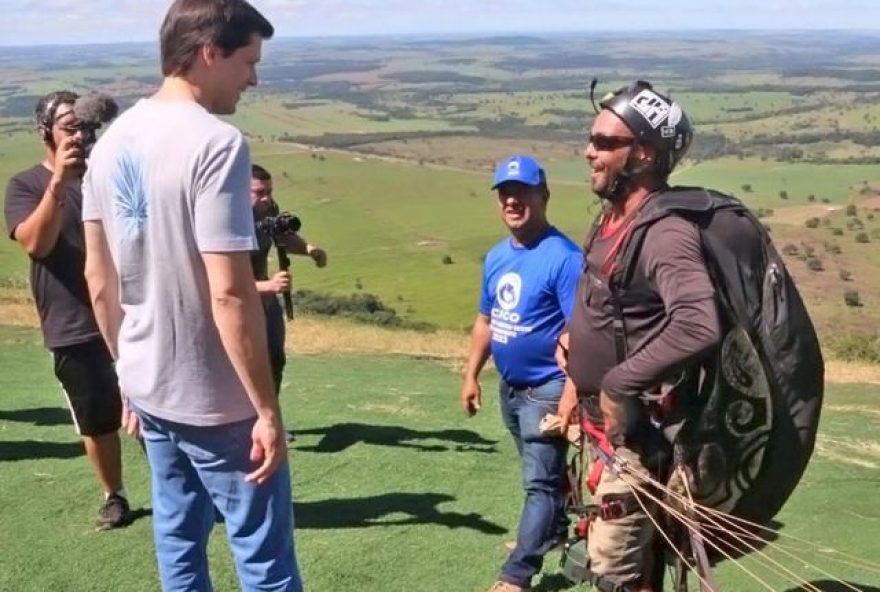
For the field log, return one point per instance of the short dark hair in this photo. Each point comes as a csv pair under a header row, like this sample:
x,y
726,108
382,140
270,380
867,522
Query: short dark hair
x,y
259,173
47,107
191,24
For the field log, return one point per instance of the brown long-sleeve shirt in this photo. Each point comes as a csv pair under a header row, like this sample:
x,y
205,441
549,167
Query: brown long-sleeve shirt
x,y
669,311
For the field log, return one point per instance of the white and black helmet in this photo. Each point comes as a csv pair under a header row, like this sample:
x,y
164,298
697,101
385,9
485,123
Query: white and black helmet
x,y
654,119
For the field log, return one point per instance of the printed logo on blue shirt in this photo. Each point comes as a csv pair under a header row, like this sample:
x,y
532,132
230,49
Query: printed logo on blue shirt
x,y
505,319
509,290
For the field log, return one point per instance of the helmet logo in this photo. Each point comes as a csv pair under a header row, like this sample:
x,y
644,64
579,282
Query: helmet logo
x,y
653,108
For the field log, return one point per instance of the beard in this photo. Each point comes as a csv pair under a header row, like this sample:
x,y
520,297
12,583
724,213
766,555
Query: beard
x,y
615,187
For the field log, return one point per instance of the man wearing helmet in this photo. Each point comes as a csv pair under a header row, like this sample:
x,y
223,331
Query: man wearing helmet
x,y
626,346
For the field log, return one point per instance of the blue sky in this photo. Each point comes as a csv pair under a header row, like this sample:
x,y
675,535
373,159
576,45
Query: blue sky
x,y
39,22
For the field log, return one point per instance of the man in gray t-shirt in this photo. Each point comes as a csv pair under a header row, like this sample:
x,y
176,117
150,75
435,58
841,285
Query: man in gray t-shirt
x,y
169,232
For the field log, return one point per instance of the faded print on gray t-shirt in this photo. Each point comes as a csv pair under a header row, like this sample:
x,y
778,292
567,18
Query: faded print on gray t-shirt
x,y
170,181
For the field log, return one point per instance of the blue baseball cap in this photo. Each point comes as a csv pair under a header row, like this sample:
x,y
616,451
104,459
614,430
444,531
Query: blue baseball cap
x,y
521,168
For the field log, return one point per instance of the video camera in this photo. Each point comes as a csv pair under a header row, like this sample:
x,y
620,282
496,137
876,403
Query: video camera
x,y
279,224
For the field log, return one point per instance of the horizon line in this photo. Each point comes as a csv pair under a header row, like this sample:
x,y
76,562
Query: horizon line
x,y
439,35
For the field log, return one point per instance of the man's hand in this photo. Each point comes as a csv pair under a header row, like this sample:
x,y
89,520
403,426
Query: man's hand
x,y
562,352
568,403
69,160
471,396
130,421
268,447
318,255
279,282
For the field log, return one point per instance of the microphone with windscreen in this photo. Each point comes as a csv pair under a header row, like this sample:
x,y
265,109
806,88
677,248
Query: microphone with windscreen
x,y
93,110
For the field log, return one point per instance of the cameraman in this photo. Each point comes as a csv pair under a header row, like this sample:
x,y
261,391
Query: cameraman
x,y
43,214
269,288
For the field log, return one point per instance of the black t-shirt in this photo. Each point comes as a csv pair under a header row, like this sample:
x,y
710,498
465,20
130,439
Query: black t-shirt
x,y
57,280
260,257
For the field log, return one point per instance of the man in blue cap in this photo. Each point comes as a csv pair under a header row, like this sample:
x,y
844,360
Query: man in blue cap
x,y
529,283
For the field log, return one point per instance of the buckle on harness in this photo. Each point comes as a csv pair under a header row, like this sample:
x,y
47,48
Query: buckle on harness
x,y
612,509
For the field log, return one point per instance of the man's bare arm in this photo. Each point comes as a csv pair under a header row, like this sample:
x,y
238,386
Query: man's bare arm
x,y
103,282
298,245
39,233
471,392
241,323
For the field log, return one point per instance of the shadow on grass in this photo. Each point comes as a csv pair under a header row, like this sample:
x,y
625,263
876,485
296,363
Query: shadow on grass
x,y
139,513
41,416
385,510
552,583
738,541
33,450
337,438
832,586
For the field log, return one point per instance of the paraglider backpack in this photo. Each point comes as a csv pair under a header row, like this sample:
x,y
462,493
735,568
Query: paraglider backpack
x,y
746,427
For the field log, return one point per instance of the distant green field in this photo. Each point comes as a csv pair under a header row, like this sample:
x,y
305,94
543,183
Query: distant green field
x,y
714,106
533,106
838,183
395,489
389,225
270,118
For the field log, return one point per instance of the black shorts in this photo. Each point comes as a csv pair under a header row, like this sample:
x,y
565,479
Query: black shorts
x,y
88,377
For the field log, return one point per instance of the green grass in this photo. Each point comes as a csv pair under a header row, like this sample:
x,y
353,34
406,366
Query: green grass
x,y
395,489
390,224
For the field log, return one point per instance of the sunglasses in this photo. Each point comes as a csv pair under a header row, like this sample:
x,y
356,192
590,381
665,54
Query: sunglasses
x,y
601,142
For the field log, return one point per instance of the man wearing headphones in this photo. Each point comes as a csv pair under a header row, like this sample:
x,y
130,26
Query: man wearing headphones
x,y
43,212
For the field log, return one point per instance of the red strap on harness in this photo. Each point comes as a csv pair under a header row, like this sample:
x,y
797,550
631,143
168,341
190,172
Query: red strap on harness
x,y
597,435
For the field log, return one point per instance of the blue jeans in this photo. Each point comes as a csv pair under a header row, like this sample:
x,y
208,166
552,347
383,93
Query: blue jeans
x,y
543,474
194,469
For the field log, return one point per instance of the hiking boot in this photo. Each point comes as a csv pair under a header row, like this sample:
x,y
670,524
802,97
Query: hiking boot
x,y
115,513
502,586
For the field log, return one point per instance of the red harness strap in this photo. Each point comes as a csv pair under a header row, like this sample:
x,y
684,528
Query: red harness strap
x,y
597,435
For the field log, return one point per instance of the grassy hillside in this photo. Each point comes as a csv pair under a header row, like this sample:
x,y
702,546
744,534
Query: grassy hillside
x,y
395,489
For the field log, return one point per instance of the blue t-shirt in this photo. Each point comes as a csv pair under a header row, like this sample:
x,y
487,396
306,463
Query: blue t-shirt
x,y
528,293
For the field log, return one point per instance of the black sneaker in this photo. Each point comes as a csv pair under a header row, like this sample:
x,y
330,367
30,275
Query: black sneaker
x,y
115,513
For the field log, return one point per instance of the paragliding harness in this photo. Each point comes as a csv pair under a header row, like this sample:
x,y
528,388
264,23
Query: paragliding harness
x,y
743,421
575,562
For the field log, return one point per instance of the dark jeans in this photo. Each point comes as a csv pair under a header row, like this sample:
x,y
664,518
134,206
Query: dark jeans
x,y
275,336
543,475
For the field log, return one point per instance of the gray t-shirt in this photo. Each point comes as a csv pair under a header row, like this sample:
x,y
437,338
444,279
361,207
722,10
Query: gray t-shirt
x,y
169,181
670,314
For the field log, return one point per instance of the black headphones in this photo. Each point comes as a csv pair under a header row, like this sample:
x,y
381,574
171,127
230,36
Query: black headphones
x,y
46,119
